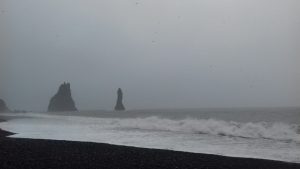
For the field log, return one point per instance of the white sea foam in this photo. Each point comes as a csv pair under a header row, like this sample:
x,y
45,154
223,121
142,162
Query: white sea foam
x,y
265,130
269,140
276,131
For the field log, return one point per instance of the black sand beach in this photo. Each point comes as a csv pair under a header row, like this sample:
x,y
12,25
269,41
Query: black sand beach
x,y
4,133
18,153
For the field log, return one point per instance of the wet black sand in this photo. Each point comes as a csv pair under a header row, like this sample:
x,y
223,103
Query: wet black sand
x,y
41,154
4,133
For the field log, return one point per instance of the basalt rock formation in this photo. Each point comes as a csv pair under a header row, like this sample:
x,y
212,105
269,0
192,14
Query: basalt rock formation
x,y
62,100
3,107
119,105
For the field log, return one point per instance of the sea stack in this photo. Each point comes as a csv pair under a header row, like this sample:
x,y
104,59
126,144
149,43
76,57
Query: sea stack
x,y
119,105
3,107
62,100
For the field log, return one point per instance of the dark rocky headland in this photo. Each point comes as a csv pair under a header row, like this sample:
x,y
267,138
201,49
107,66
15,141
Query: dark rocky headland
x,y
62,100
3,106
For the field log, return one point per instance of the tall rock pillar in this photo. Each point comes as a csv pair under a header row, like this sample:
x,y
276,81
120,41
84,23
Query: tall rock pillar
x,y
119,105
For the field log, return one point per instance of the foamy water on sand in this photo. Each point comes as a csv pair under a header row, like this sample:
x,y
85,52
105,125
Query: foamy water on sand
x,y
263,133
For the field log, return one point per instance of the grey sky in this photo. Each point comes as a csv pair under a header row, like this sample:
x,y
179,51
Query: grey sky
x,y
162,53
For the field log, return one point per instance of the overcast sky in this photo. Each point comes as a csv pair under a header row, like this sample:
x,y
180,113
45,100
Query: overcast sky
x,y
162,53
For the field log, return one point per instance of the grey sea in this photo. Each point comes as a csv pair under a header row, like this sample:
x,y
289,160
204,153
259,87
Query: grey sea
x,y
266,133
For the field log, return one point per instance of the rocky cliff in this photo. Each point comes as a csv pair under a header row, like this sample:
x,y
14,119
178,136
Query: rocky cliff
x,y
62,100
3,107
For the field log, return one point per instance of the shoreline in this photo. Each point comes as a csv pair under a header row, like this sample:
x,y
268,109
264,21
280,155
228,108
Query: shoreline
x,y
24,153
4,133
37,153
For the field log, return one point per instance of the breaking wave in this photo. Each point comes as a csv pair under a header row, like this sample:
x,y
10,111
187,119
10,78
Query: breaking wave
x,y
256,130
265,130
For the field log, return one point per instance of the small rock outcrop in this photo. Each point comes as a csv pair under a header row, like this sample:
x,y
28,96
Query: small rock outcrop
x,y
62,100
119,105
3,107
4,133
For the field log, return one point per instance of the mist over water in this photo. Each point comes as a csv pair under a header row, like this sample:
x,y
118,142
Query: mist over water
x,y
163,54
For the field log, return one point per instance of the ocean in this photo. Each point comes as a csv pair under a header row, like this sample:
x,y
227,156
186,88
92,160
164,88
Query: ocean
x,y
266,133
